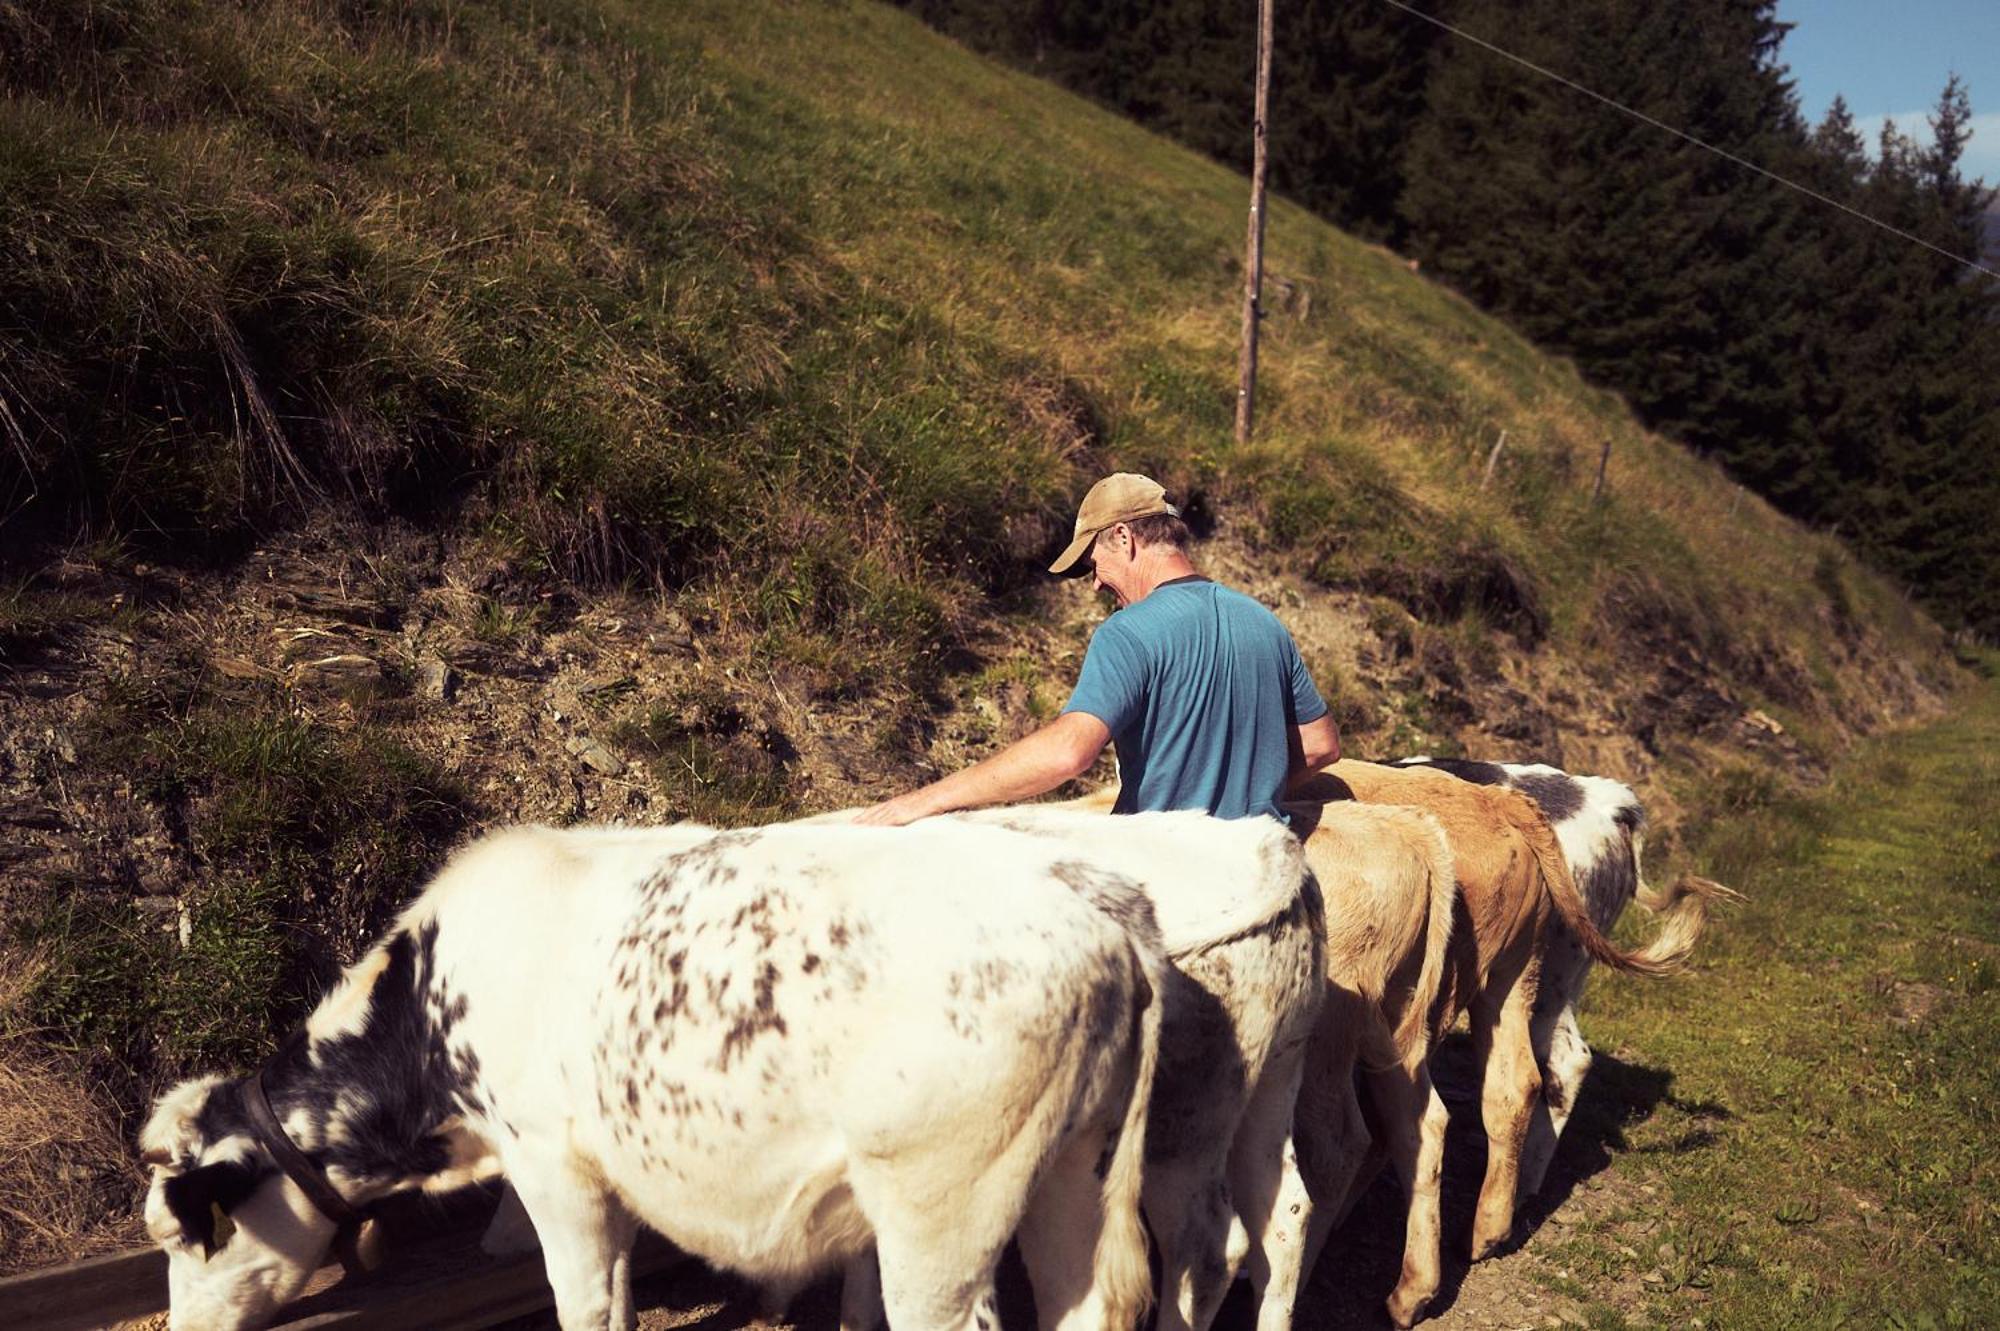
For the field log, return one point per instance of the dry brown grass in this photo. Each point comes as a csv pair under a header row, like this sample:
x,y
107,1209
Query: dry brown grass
x,y
67,1181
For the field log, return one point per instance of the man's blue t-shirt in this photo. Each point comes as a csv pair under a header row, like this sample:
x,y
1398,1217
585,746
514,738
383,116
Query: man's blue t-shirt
x,y
1201,688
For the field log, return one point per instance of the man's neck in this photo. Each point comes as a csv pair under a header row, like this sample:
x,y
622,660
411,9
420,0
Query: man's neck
x,y
1169,566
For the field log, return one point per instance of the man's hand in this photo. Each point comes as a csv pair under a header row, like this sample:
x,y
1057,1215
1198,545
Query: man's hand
x,y
906,808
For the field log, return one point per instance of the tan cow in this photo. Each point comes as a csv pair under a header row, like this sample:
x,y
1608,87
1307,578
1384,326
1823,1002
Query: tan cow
x,y
1387,879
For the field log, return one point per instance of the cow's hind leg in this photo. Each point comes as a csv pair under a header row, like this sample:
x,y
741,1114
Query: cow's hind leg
x,y
1329,1131
1564,1060
1194,1224
1059,1237
861,1294
1270,1195
586,1236
1414,1121
1510,1085
941,1222
932,1278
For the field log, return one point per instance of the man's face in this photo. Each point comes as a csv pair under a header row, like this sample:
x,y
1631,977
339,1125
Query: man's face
x,y
1111,563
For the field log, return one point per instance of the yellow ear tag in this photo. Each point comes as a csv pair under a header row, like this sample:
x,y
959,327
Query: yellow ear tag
x,y
224,1226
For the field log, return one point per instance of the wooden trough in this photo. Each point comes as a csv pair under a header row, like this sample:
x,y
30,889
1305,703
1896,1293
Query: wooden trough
x,y
434,1278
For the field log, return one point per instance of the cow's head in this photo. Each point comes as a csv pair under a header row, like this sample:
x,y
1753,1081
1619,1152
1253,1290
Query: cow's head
x,y
241,1239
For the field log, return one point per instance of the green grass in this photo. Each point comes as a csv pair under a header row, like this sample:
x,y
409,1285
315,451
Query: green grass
x,y
1823,1155
303,841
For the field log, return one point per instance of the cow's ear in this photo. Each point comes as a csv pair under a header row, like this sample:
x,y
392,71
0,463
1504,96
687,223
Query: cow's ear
x,y
202,1199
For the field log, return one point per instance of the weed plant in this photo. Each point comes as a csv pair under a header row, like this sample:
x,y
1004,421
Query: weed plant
x,y
300,842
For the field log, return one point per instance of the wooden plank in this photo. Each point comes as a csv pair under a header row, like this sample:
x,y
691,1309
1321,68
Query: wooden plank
x,y
436,1279
86,1294
455,1287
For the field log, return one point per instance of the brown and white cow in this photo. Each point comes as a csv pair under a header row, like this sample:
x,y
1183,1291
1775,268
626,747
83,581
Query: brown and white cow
x,y
1601,826
778,1047
1518,896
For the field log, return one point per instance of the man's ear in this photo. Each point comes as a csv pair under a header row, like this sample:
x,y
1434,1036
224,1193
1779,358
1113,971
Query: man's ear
x,y
198,1197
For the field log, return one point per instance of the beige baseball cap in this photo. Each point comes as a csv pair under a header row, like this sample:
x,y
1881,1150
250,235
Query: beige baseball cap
x,y
1117,498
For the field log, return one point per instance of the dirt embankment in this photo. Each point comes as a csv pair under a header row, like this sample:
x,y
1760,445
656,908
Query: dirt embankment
x,y
530,702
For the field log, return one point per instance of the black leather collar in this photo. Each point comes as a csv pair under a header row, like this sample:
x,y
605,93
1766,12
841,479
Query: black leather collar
x,y
309,1177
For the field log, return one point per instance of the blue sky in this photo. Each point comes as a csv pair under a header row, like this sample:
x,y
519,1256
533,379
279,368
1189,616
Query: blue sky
x,y
1889,58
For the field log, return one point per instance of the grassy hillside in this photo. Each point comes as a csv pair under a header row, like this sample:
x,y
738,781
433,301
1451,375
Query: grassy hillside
x,y
707,383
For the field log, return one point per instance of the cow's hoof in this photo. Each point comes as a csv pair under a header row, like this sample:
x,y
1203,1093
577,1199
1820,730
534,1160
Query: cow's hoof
x,y
1405,1308
1486,1245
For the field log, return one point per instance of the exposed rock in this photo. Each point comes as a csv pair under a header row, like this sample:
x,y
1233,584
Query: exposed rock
x,y
594,755
349,675
435,679
616,682
61,745
1911,1002
373,614
673,635
1758,719
239,667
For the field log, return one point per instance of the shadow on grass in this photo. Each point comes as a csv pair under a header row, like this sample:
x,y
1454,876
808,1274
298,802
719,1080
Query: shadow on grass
x,y
1365,1256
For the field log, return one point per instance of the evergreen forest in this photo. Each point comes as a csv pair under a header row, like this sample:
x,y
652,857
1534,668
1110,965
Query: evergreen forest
x,y
1849,374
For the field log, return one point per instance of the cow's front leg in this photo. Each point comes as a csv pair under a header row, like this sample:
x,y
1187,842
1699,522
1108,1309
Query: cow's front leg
x,y
586,1236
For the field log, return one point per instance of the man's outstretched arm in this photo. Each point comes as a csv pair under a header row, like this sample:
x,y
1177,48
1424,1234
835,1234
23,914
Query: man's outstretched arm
x,y
1032,765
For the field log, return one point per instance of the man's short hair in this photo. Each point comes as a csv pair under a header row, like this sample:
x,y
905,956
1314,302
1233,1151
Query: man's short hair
x,y
1161,529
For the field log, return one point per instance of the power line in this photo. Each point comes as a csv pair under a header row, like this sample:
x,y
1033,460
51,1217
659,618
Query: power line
x,y
1682,134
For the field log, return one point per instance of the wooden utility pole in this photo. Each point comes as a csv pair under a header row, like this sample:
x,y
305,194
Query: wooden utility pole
x,y
1253,268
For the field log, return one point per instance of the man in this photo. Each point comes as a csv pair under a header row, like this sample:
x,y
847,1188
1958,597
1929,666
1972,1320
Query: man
x,y
1201,687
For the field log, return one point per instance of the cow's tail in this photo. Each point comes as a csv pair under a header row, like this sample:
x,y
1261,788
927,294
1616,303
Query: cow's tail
x,y
1122,1268
1441,898
1653,960
1682,910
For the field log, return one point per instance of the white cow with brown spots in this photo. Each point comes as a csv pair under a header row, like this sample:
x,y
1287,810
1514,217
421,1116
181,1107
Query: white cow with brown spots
x,y
778,1047
1243,993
